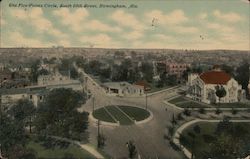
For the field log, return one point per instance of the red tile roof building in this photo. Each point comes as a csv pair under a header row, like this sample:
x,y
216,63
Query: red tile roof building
x,y
202,87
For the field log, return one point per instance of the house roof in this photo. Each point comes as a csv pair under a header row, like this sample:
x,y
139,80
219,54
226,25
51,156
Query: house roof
x,y
215,77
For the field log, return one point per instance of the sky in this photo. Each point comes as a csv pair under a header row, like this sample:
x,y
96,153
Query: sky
x,y
168,24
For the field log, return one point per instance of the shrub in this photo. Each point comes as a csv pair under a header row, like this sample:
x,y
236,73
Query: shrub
x,y
187,112
234,111
218,111
202,111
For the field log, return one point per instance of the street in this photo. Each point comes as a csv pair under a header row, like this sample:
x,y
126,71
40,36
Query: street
x,y
148,137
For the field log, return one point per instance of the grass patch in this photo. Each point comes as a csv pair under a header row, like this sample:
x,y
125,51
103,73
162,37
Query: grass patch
x,y
101,114
177,100
191,104
233,105
57,151
135,113
156,89
122,118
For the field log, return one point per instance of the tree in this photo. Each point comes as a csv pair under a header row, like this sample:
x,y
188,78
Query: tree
x,y
147,71
197,129
172,80
131,149
58,114
23,112
34,70
12,137
220,92
242,75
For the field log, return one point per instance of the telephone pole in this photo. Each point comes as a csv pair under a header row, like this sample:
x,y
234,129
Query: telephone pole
x,y
93,102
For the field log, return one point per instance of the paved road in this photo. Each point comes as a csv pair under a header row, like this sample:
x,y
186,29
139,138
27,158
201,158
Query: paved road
x,y
148,137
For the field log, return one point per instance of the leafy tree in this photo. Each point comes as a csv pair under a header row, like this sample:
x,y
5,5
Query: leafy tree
x,y
34,70
187,112
228,69
147,71
172,80
131,149
202,111
43,72
23,112
242,75
197,129
58,114
220,92
218,111
12,137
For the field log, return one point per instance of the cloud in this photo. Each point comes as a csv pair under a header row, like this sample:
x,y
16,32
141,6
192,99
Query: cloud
x,y
3,22
99,40
64,43
127,20
202,16
228,17
186,29
219,27
18,40
73,19
173,21
78,21
175,17
96,25
163,37
36,18
134,35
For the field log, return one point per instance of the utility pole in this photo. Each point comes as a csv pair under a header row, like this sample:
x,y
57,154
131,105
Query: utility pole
x,y
98,134
93,102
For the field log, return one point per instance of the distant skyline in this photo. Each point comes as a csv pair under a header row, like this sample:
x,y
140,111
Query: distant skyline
x,y
170,24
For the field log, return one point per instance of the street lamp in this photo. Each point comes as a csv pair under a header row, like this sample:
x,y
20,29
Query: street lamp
x,y
93,100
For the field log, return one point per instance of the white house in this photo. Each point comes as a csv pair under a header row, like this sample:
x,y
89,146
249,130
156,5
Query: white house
x,y
123,89
8,97
58,81
203,87
36,93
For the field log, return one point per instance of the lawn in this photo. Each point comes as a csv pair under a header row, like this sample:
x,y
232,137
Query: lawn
x,y
118,115
185,103
54,149
103,115
204,138
233,105
155,89
135,113
177,100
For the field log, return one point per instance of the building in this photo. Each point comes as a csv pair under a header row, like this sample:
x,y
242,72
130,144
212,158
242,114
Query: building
x,y
57,80
123,89
176,68
172,68
10,96
36,93
203,87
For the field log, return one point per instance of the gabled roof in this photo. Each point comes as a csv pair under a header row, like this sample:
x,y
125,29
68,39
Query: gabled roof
x,y
215,77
